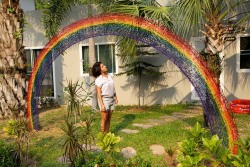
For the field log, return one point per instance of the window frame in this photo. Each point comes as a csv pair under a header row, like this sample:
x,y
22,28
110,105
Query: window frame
x,y
99,43
238,69
53,68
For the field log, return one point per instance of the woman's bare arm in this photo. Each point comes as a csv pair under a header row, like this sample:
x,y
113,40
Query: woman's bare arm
x,y
99,96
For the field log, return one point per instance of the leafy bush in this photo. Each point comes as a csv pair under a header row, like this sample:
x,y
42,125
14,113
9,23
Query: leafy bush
x,y
199,150
7,155
19,132
108,143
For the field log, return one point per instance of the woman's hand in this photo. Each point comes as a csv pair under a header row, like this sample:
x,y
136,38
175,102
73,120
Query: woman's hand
x,y
116,100
103,108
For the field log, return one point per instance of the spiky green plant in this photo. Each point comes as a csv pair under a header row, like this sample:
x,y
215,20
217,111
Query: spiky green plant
x,y
71,145
75,96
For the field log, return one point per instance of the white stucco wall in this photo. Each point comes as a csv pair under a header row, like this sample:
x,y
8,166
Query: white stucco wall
x,y
237,84
172,88
27,5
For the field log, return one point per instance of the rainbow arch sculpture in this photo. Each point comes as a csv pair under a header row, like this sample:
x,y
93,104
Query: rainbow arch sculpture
x,y
158,36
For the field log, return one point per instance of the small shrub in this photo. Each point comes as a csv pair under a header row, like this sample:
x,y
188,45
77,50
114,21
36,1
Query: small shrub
x,y
108,143
19,132
199,150
7,155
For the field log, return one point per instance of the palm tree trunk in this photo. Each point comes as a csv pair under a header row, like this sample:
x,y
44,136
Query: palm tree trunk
x,y
12,60
214,64
92,59
139,87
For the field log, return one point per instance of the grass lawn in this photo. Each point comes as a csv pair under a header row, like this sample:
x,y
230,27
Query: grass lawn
x,y
46,144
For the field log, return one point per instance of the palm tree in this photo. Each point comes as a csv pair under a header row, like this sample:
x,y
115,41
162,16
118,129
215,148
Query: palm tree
x,y
215,19
149,9
53,13
12,59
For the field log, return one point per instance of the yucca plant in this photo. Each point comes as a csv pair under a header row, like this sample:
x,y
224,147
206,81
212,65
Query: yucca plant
x,y
75,96
88,134
71,145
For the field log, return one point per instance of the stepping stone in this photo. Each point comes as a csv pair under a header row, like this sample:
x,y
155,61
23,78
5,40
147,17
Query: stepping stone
x,y
128,152
180,115
168,118
157,149
156,121
144,126
129,131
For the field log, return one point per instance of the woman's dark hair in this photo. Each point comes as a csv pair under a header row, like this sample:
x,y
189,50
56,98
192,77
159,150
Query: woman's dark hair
x,y
96,69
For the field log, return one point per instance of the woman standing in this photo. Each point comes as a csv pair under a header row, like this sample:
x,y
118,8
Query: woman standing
x,y
106,94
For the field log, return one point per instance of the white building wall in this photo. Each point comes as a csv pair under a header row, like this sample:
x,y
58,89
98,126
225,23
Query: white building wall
x,y
27,5
173,87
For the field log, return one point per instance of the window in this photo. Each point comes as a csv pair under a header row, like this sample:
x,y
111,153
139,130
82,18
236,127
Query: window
x,y
243,58
47,88
103,52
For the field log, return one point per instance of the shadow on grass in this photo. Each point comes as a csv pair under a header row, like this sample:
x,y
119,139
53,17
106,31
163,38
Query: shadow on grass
x,y
127,119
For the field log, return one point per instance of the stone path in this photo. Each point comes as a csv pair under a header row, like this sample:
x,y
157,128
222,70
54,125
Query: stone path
x,y
130,131
156,149
163,119
129,152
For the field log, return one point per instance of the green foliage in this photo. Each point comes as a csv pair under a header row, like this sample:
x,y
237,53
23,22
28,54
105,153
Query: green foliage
x,y
53,13
194,15
88,131
92,158
76,96
138,68
138,162
242,159
18,34
11,9
18,131
199,150
197,133
215,152
7,155
72,147
108,143
47,102
148,9
170,151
